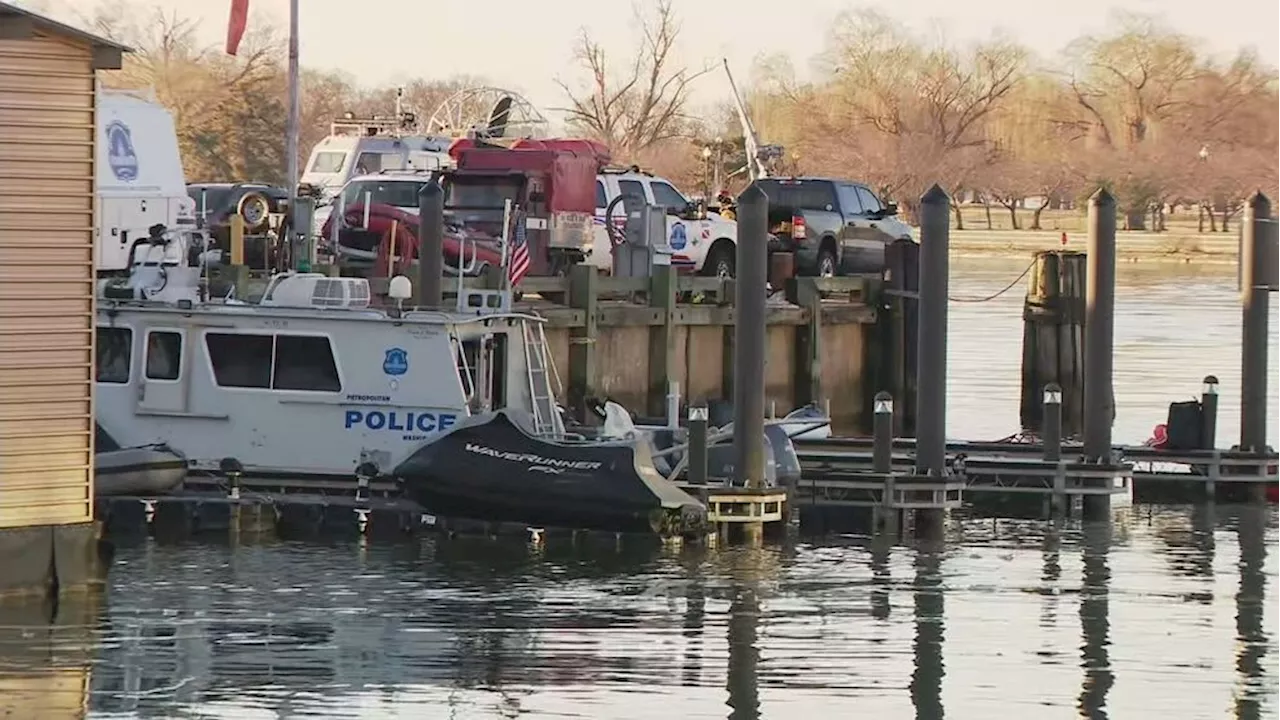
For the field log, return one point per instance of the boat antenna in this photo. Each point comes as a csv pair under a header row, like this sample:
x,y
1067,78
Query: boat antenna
x,y
757,154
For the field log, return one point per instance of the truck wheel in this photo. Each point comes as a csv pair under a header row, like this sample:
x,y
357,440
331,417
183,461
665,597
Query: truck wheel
x,y
720,261
827,263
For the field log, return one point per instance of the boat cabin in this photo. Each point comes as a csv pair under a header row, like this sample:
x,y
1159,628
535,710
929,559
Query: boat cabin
x,y
311,379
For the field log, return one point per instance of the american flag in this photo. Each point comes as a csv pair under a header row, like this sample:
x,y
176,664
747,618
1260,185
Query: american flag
x,y
518,263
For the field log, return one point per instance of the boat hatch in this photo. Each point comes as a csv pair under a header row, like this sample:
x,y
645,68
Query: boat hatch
x,y
316,290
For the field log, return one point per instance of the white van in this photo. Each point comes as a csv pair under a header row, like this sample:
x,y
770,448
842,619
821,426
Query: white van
x,y
367,146
140,182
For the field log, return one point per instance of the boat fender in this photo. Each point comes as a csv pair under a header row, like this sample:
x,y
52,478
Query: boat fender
x,y
365,472
232,469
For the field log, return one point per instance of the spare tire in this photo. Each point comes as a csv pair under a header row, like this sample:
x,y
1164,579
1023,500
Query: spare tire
x,y
255,210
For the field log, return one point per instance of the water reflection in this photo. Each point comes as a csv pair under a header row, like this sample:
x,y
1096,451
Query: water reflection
x,y
1251,639
881,577
1095,625
743,634
46,656
841,627
926,680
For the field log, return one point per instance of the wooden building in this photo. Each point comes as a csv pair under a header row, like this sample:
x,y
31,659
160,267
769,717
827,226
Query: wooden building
x,y
48,145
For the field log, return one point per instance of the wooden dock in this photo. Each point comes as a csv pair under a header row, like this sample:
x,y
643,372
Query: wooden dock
x,y
839,470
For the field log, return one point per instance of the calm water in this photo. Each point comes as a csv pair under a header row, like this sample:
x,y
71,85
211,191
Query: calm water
x,y
1168,613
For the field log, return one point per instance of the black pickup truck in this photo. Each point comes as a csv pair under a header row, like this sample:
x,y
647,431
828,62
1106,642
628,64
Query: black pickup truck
x,y
833,226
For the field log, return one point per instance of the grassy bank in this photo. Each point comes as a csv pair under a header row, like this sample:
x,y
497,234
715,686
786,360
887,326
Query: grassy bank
x,y
1181,242
1177,247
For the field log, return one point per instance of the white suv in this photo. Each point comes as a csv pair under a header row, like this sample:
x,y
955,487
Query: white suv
x,y
707,244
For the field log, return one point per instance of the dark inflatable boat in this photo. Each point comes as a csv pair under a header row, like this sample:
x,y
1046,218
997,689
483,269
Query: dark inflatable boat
x,y
493,467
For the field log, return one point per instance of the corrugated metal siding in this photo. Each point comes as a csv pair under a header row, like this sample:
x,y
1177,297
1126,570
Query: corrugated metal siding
x,y
46,281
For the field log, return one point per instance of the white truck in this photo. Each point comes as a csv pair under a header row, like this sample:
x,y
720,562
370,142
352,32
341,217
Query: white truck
x,y
703,241
139,180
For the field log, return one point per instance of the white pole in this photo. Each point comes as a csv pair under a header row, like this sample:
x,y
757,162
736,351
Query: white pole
x,y
506,239
291,133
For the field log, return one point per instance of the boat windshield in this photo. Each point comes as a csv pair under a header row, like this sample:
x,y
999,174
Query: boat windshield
x,y
479,203
327,162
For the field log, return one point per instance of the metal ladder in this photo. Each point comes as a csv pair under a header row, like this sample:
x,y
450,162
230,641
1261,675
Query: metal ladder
x,y
546,417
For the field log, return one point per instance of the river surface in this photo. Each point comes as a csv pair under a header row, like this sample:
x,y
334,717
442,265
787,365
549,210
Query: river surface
x,y
1169,612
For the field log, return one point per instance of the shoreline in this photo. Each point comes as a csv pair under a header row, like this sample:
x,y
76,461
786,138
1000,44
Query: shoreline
x,y
1179,248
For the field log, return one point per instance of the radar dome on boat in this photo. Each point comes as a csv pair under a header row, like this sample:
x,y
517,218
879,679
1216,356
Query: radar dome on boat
x,y
399,288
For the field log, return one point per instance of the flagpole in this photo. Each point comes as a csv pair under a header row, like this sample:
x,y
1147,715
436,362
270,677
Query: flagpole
x,y
291,140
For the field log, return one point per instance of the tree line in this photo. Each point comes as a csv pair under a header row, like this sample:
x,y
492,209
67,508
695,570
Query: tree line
x,y
1141,110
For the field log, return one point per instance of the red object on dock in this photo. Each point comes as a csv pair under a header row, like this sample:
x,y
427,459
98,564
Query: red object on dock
x,y
1064,239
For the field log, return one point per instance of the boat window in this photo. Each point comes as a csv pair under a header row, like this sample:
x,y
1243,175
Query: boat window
x,y
602,200
114,354
401,193
240,361
368,162
327,162
164,355
305,362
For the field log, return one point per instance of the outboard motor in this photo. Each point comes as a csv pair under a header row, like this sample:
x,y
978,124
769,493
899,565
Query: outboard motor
x,y
720,459
786,461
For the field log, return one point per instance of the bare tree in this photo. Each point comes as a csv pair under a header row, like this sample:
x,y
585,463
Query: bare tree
x,y
645,103
1133,79
931,102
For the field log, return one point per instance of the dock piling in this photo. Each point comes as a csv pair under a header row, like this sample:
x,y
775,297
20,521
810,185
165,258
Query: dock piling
x,y
1051,440
882,450
1257,278
750,289
882,462
698,444
1099,329
431,245
1052,436
1053,339
1254,282
931,378
1209,413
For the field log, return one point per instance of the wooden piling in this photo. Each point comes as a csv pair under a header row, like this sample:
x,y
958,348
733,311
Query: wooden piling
x,y
897,323
1053,340
803,292
662,339
583,281
236,239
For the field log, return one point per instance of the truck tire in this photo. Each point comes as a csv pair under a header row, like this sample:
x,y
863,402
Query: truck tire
x,y
720,260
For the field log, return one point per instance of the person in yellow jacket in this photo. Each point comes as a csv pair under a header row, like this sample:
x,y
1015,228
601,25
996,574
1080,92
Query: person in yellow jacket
x,y
724,204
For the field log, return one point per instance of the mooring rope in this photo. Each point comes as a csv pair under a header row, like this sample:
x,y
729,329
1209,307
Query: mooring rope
x,y
1004,290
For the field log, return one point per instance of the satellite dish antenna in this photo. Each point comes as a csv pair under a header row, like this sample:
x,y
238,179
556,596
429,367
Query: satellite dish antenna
x,y
499,116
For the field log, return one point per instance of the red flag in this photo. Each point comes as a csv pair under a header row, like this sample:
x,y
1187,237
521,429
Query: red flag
x,y
235,26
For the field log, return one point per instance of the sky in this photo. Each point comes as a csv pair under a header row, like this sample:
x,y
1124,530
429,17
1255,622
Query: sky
x,y
527,46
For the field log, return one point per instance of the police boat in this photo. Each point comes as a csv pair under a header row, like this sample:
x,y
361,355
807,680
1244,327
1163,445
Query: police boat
x,y
310,382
